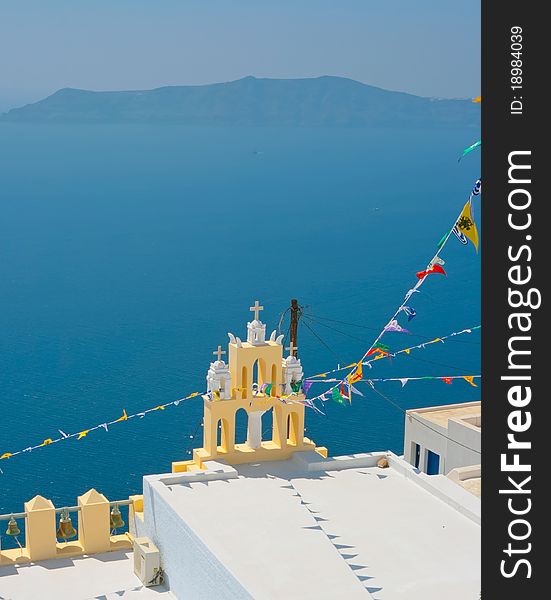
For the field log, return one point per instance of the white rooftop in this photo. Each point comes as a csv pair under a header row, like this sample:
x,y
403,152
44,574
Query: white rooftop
x,y
284,532
107,576
470,412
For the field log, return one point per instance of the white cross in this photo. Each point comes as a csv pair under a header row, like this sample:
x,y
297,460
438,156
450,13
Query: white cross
x,y
219,352
291,349
256,309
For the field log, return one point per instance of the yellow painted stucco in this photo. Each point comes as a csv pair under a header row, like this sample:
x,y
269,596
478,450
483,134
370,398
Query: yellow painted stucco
x,y
251,364
40,543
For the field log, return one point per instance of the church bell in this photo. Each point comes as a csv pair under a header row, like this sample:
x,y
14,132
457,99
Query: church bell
x,y
65,529
116,518
12,527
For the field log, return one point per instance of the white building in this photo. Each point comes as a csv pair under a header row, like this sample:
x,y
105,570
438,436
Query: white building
x,y
446,440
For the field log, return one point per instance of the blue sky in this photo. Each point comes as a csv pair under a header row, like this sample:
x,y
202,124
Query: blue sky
x,y
426,47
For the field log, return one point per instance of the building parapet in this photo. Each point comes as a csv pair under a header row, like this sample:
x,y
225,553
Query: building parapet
x,y
97,523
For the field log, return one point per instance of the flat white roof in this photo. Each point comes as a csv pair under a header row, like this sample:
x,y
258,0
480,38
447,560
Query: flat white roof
x,y
354,533
442,414
106,576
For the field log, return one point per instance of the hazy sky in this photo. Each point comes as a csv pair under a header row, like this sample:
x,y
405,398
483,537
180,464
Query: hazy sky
x,y
426,47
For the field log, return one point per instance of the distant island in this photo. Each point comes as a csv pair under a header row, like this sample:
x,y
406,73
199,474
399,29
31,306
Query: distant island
x,y
321,101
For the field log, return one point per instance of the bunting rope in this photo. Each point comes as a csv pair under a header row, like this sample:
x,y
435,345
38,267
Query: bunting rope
x,y
126,417
105,426
339,398
403,380
464,229
368,362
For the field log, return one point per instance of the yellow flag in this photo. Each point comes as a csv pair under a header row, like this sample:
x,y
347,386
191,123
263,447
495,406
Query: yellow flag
x,y
46,442
83,434
407,350
160,407
467,226
320,375
123,418
470,379
5,455
477,99
357,375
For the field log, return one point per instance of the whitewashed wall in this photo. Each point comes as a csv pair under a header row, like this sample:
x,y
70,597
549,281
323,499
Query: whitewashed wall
x,y
192,571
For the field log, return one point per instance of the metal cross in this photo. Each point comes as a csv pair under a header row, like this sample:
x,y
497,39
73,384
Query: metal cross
x,y
219,352
256,309
291,349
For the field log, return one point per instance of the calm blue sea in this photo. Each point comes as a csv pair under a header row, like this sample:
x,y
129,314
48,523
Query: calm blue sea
x,y
127,252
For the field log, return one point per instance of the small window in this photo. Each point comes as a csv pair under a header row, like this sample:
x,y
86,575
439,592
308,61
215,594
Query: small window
x,y
416,455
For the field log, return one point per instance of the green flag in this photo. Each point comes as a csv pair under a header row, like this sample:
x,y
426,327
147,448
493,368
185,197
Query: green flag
x,y
336,396
296,385
470,149
442,239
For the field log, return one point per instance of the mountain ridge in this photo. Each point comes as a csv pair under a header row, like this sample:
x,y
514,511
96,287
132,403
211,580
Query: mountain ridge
x,y
325,100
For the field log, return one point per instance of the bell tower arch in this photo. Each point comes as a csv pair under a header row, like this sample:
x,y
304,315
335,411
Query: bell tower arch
x,y
257,378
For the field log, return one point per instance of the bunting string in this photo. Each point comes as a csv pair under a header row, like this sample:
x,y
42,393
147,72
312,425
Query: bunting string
x,y
464,226
340,395
126,417
403,380
406,351
105,426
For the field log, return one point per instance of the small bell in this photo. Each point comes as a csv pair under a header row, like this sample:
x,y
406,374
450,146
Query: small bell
x,y
116,518
65,529
12,527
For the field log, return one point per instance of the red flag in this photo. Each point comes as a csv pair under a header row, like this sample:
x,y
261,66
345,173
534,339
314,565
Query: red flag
x,y
377,349
433,269
344,394
447,380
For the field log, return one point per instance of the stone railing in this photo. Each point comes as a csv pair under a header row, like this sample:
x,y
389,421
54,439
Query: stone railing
x,y
94,533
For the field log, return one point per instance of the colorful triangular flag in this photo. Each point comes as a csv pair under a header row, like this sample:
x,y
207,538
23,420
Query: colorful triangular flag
x,y
336,396
469,149
356,375
433,269
466,225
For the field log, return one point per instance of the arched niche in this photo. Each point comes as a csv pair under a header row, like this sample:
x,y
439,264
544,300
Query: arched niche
x,y
258,372
241,426
268,425
292,429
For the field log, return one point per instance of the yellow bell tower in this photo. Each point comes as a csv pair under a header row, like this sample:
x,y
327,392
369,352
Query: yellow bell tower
x,y
256,379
